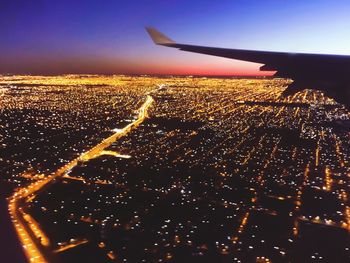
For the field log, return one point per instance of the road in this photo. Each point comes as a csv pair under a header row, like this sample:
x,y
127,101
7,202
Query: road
x,y
11,250
32,238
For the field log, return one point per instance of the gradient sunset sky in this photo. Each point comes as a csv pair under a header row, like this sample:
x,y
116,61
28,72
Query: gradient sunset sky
x,y
76,36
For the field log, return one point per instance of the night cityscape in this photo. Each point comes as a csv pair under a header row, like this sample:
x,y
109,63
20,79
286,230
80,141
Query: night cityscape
x,y
121,168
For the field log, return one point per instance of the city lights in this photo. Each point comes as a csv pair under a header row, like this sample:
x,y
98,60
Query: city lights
x,y
174,169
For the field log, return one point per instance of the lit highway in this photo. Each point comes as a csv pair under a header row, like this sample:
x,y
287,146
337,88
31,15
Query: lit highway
x,y
28,230
221,169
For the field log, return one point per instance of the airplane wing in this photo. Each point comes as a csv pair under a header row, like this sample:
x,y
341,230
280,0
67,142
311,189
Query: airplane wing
x,y
328,73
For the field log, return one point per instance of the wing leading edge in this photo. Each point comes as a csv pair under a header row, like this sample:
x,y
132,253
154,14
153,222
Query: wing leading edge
x,y
328,73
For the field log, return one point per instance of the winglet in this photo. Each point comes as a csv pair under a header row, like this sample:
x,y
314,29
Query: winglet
x,y
159,38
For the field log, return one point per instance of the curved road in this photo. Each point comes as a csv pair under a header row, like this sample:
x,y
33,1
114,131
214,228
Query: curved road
x,y
32,238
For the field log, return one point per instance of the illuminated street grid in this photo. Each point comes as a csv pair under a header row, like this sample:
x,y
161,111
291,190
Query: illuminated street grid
x,y
222,170
46,122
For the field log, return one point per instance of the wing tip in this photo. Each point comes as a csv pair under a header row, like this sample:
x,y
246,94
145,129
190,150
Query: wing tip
x,y
158,37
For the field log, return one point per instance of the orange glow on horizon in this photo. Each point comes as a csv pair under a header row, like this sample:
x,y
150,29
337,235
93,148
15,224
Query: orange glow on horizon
x,y
165,65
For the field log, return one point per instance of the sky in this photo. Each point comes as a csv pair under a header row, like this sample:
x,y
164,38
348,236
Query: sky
x,y
108,37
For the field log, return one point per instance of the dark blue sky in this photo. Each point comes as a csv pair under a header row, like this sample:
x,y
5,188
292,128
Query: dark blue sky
x,y
108,36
